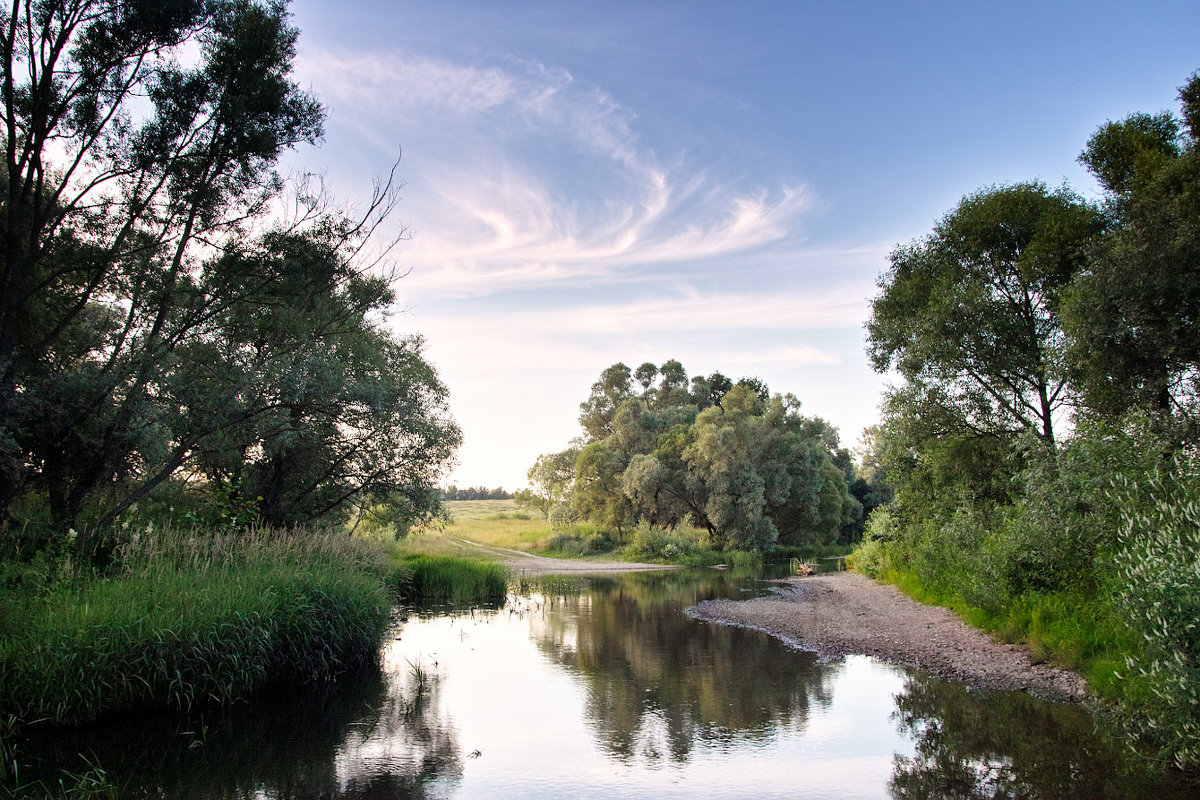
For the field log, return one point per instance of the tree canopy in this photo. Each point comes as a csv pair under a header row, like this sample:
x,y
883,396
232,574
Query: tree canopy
x,y
727,457
165,314
1133,312
970,314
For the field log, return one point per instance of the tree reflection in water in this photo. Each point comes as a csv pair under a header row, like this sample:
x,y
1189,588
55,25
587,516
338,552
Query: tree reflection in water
x,y
659,682
973,744
363,738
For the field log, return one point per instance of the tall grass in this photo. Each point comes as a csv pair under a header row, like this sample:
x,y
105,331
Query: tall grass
x,y
425,578
188,618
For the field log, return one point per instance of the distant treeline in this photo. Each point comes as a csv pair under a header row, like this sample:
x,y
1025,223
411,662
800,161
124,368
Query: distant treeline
x,y
475,493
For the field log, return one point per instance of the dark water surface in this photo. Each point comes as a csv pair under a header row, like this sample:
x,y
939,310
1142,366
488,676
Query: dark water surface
x,y
603,687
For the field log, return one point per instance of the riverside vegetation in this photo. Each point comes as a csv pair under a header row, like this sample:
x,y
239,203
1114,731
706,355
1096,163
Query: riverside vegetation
x,y
199,397
185,617
1041,441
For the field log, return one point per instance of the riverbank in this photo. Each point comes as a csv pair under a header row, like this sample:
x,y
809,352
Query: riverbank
x,y
183,617
845,613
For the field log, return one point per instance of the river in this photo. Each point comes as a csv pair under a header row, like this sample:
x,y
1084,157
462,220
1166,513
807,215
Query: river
x,y
603,687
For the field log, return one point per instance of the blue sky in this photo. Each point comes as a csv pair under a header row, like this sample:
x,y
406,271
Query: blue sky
x,y
719,183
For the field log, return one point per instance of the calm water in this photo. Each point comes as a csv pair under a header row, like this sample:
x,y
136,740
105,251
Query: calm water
x,y
605,688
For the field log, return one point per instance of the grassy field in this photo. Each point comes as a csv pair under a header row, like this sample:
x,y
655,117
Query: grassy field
x,y
497,523
463,510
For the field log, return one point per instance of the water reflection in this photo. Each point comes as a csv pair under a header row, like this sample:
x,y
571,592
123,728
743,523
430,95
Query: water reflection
x,y
604,687
1008,745
368,736
660,682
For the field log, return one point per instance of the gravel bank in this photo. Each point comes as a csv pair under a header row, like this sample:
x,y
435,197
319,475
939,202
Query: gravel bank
x,y
845,613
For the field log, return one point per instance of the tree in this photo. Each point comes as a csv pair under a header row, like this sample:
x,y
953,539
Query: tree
x,y
319,406
596,413
745,470
970,315
1133,313
105,213
151,321
550,480
597,492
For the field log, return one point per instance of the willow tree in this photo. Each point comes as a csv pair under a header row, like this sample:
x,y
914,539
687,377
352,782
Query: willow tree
x,y
141,139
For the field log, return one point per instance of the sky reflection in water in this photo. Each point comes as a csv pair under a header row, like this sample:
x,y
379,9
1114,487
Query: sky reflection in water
x,y
604,688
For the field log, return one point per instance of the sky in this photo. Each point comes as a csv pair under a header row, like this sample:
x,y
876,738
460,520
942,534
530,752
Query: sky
x,y
718,183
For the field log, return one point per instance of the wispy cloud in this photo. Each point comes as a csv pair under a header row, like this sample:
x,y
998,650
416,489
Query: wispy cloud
x,y
527,177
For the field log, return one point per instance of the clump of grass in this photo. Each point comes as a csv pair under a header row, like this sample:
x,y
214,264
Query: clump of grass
x,y
421,578
189,618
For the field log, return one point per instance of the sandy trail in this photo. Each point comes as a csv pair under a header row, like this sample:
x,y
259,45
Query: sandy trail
x,y
844,613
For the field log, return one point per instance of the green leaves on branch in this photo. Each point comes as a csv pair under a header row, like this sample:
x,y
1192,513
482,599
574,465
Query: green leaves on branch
x,y
970,315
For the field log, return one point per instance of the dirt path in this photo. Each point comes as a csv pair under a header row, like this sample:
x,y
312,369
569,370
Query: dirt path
x,y
843,613
528,564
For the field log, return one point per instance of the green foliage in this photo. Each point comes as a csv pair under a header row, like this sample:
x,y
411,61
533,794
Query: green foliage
x,y
652,543
192,619
1133,315
157,319
1159,565
871,557
581,540
420,578
1022,303
724,456
969,315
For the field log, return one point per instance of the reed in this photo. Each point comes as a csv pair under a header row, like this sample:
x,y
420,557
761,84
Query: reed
x,y
190,618
421,578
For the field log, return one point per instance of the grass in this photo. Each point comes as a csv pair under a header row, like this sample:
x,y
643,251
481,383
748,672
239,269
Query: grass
x,y
185,618
463,510
425,578
499,524
190,620
1064,628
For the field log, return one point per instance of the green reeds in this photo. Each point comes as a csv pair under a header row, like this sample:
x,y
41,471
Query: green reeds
x,y
423,578
193,618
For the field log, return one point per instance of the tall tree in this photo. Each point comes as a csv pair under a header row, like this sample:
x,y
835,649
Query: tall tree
x,y
106,212
1133,313
970,314
148,322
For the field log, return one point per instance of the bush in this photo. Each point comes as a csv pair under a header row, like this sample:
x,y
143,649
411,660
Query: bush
x,y
1160,568
680,545
871,556
581,540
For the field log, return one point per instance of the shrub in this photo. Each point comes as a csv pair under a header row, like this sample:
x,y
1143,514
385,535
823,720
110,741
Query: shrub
x,y
651,543
1160,568
871,556
581,540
